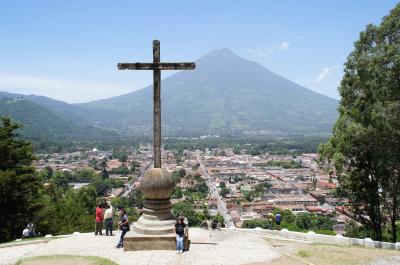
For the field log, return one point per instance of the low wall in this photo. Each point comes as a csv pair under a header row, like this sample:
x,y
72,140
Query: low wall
x,y
311,236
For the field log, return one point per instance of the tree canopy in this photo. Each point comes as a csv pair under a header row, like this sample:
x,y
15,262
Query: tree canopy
x,y
365,146
18,183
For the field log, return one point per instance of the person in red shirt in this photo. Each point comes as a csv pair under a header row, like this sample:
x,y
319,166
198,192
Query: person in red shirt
x,y
99,220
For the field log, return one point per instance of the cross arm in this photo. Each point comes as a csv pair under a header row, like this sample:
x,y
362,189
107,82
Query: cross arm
x,y
156,66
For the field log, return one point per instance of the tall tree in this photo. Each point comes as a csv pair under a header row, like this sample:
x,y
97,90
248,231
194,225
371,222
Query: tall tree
x,y
365,147
18,183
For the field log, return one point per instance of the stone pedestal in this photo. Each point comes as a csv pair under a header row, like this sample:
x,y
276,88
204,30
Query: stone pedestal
x,y
157,218
154,229
135,241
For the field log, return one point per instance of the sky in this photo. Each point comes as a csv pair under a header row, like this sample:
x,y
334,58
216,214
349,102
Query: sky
x,y
68,50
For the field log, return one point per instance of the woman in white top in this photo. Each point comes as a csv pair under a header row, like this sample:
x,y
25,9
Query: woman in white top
x,y
108,220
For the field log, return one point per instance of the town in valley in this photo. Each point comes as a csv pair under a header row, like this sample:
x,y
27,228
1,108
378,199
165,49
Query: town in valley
x,y
241,188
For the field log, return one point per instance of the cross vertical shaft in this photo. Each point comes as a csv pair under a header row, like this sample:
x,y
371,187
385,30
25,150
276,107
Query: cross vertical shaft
x,y
156,66
157,184
156,106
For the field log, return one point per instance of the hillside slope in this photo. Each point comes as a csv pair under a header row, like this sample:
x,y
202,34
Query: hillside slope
x,y
225,94
41,123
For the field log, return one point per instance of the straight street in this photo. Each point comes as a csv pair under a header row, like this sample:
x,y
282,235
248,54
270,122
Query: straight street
x,y
129,185
213,189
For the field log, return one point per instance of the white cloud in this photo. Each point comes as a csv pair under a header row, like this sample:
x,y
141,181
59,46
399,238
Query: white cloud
x,y
266,51
284,45
325,72
66,90
300,37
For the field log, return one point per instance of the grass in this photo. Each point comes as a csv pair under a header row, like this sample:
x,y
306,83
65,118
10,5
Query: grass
x,y
35,238
326,254
65,260
303,253
27,240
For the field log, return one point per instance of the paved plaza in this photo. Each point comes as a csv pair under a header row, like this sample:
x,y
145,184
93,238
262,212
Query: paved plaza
x,y
230,247
208,247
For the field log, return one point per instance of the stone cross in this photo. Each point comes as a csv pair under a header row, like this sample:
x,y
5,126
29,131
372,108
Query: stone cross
x,y
156,66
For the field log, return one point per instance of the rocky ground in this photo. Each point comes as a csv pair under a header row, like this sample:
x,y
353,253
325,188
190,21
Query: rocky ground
x,y
208,247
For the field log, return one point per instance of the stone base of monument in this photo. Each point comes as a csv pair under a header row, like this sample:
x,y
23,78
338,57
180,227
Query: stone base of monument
x,y
154,229
134,241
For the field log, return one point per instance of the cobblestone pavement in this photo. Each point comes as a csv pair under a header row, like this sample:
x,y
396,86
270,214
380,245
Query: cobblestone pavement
x,y
208,247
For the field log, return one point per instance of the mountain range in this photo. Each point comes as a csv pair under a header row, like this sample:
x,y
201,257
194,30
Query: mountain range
x,y
41,123
225,95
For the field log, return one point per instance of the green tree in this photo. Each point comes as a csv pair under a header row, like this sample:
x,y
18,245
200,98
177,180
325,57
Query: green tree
x,y
188,211
222,153
262,187
177,193
19,186
200,217
323,223
136,198
87,198
72,216
46,217
177,175
255,223
305,221
102,186
123,158
352,229
47,172
61,180
219,219
122,169
84,175
128,204
248,195
103,163
224,190
134,166
365,147
202,187
237,150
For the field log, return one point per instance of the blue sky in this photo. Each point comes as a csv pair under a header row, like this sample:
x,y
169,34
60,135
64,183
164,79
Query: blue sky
x,y
68,50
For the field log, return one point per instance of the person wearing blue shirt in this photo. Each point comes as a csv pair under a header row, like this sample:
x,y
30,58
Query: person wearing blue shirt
x,y
278,219
123,226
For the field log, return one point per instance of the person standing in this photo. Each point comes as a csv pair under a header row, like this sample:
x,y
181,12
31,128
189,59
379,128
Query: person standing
x,y
108,220
180,230
123,226
99,220
271,218
278,220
